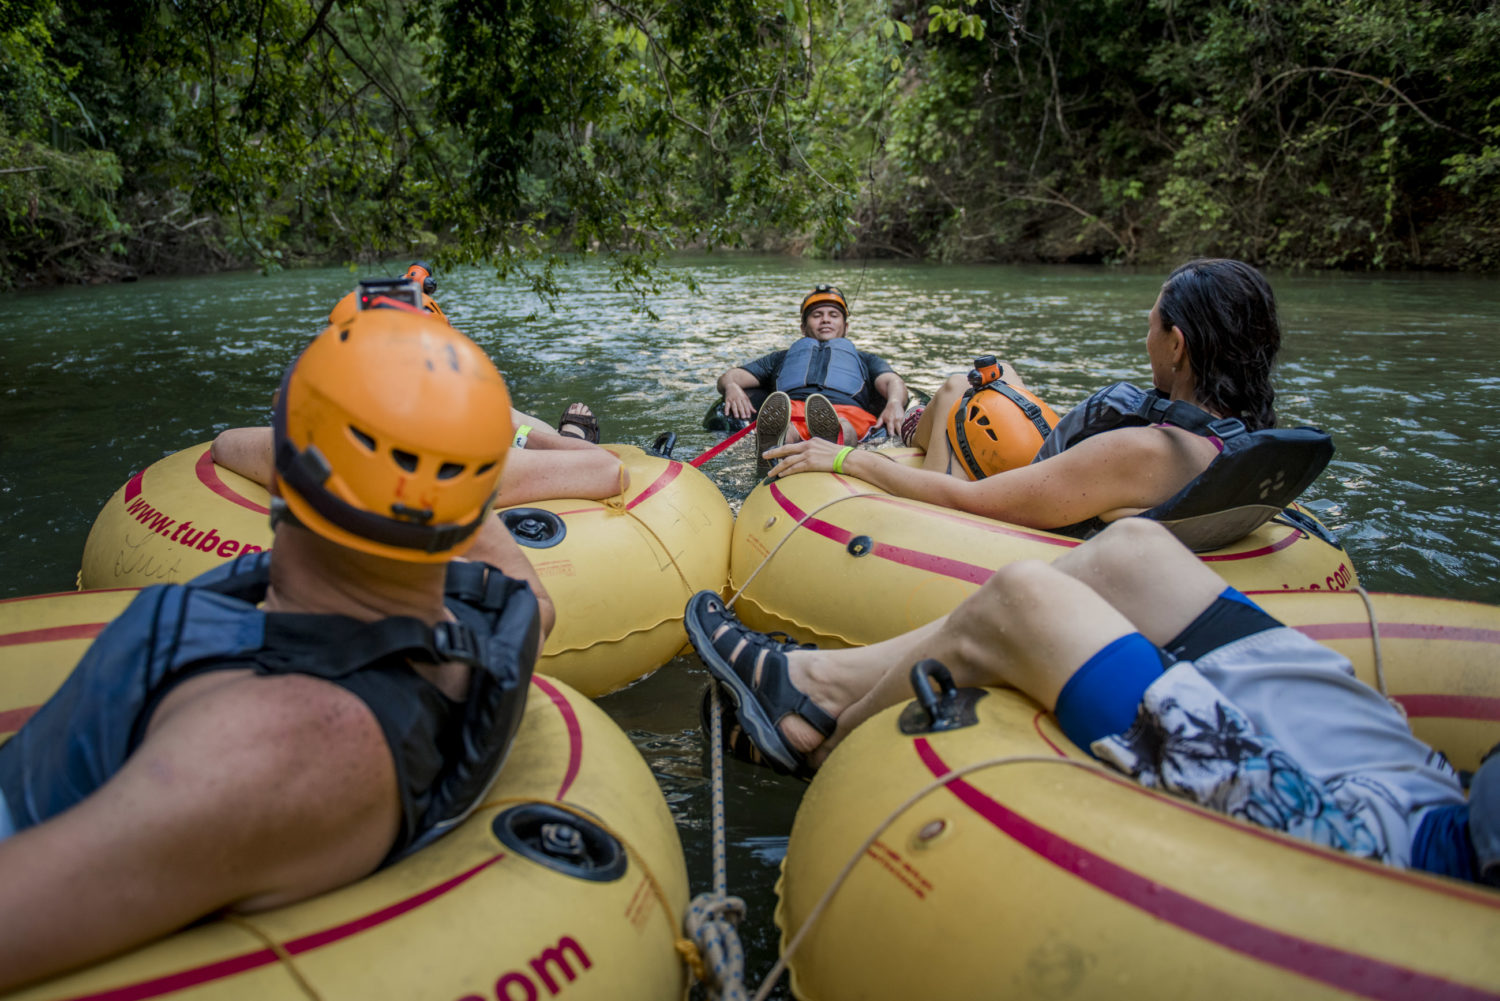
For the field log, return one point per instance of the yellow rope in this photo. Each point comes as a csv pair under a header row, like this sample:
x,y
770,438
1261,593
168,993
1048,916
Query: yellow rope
x,y
838,881
276,947
1375,642
617,502
787,537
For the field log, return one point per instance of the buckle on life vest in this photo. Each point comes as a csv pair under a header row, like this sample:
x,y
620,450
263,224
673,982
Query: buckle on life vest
x,y
1226,428
456,641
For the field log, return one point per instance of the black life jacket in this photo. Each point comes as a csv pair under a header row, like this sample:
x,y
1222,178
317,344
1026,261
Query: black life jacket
x,y
446,753
1253,479
813,366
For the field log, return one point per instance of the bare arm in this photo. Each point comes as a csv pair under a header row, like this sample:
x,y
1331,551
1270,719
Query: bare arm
x,y
251,793
586,470
592,473
733,385
890,386
545,437
246,451
1122,472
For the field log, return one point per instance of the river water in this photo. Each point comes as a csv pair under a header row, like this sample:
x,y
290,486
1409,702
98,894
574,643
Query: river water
x,y
100,382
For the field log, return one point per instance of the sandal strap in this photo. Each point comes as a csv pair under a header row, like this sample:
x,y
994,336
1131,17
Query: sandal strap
x,y
775,689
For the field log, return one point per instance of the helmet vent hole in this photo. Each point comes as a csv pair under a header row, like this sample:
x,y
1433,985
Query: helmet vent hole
x,y
992,434
406,460
448,470
484,469
366,440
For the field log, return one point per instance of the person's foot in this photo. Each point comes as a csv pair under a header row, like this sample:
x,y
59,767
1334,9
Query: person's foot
x,y
578,421
770,429
909,424
778,724
823,420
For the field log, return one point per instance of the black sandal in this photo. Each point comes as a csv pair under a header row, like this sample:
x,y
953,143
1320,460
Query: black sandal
x,y
756,683
585,422
737,743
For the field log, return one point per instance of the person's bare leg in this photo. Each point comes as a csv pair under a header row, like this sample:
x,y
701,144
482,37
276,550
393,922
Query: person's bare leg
x,y
931,434
1030,626
1140,569
836,679
851,436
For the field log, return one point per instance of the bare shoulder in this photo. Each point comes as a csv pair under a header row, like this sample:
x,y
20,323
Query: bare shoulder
x,y
1142,443
291,772
246,793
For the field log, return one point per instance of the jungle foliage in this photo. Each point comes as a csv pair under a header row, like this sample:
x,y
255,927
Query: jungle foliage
x,y
142,136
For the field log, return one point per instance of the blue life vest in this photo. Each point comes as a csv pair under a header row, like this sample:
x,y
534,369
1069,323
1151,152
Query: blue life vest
x,y
83,735
1254,478
813,366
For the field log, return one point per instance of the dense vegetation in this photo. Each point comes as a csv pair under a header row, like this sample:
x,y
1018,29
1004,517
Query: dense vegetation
x,y
141,136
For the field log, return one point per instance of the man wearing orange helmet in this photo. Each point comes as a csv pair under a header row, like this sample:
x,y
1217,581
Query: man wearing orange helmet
x,y
823,386
295,719
548,463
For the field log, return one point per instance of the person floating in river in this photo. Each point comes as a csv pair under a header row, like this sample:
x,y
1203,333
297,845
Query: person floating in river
x,y
1211,339
1152,665
295,719
548,463
824,387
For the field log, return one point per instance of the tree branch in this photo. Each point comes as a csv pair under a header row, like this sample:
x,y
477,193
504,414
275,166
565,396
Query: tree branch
x,y
1336,71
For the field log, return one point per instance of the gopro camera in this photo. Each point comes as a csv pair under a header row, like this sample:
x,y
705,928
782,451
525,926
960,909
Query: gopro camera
x,y
401,291
987,369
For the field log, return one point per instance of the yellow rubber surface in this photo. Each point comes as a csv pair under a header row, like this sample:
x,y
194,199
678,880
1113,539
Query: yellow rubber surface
x,y
1043,880
857,565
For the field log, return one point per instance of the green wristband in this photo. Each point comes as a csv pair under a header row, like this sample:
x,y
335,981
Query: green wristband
x,y
838,460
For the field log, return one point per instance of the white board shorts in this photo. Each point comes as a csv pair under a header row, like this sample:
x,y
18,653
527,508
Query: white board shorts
x,y
1275,729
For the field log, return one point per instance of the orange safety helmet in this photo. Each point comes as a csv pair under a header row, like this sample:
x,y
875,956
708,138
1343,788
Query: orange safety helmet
x,y
421,273
824,295
995,426
391,432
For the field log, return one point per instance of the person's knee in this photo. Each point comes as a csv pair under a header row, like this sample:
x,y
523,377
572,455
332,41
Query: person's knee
x,y
957,384
1124,555
1132,536
1007,600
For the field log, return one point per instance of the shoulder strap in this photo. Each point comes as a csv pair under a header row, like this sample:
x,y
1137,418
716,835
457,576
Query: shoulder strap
x,y
1124,404
307,644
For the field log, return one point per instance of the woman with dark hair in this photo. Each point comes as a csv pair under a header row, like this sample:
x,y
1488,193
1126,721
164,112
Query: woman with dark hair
x,y
1211,340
